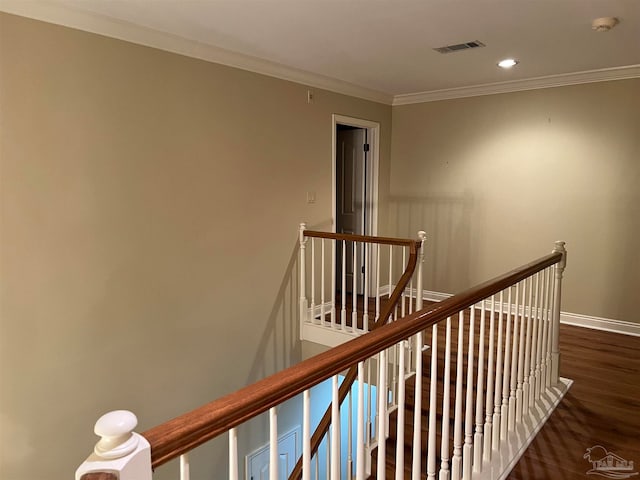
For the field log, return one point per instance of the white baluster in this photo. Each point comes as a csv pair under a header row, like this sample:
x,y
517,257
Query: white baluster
x,y
433,375
343,312
119,449
306,435
184,466
549,318
400,414
539,308
417,409
403,295
354,288
446,406
273,444
514,361
456,461
369,406
526,391
478,437
333,284
303,275
545,330
422,235
497,411
360,441
391,286
382,412
365,313
488,420
521,352
504,424
377,282
322,280
467,452
313,280
335,431
233,454
555,327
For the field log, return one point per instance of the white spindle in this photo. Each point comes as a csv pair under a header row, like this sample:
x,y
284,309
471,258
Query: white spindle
x,y
526,391
539,308
303,290
322,280
555,326
343,312
233,454
403,297
545,330
390,272
467,452
417,415
422,236
382,412
400,414
521,352
369,406
514,361
377,282
306,435
360,441
335,431
446,405
456,461
488,421
478,437
548,325
365,313
184,466
497,411
333,283
273,443
354,288
504,424
433,375
313,279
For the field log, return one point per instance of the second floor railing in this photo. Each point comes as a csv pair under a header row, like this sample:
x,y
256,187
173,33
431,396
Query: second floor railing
x,y
490,352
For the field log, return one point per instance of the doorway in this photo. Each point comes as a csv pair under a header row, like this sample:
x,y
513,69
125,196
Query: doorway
x,y
355,191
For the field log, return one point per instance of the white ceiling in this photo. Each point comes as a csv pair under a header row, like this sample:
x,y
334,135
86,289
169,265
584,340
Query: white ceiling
x,y
383,47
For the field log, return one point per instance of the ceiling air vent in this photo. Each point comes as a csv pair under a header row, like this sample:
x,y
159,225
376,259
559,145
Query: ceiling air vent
x,y
459,46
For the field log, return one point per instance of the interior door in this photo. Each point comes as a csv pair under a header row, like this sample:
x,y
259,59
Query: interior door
x,y
351,198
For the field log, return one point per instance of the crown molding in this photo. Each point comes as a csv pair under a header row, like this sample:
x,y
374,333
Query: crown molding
x,y
590,76
94,23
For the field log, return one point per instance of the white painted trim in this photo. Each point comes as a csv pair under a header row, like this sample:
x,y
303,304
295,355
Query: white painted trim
x,y
325,335
513,447
67,16
373,135
576,319
598,323
317,311
590,76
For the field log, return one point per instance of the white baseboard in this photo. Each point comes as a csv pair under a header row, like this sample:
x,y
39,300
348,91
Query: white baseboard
x,y
575,319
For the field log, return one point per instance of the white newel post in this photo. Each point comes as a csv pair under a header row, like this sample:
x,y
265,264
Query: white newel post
x,y
303,287
555,330
120,450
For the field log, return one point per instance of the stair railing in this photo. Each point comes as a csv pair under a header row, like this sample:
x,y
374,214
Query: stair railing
x,y
346,281
400,294
517,341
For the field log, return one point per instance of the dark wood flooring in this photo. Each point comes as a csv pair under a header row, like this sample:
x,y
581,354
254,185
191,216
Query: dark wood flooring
x,y
601,408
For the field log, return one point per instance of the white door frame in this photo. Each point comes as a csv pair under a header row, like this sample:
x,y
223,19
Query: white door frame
x,y
373,139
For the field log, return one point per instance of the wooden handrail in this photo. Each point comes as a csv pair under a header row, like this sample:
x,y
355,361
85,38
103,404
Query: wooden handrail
x,y
181,434
363,238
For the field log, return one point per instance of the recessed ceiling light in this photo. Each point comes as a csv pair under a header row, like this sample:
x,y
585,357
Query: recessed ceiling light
x,y
507,63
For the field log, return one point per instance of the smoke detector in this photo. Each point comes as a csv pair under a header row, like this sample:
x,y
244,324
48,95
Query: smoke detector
x,y
604,24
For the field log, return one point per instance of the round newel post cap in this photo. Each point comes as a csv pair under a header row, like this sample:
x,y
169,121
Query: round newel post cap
x,y
116,430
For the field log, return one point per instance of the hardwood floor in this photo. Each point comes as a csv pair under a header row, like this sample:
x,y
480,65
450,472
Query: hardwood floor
x,y
601,408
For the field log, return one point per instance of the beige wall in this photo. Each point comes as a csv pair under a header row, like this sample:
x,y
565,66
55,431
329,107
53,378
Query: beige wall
x,y
150,205
495,180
